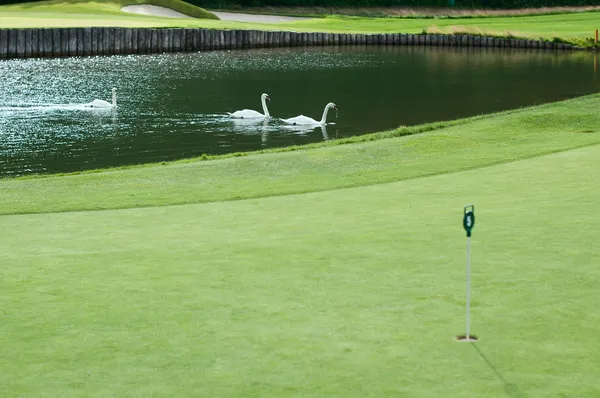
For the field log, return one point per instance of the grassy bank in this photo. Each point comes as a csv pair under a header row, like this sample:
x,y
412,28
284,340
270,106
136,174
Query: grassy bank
x,y
70,10
407,12
355,292
466,144
570,27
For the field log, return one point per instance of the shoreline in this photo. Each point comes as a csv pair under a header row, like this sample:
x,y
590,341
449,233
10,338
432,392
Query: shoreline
x,y
399,132
68,42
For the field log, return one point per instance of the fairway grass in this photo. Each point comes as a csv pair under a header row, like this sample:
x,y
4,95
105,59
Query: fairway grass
x,y
354,292
570,27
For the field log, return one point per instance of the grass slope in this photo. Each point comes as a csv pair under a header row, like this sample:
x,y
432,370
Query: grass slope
x,y
72,10
349,293
407,12
464,144
572,27
559,25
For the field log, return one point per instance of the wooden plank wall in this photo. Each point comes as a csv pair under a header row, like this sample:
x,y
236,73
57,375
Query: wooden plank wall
x,y
64,42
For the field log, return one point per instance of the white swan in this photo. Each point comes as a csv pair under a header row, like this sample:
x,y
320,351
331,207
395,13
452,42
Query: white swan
x,y
104,104
250,114
305,120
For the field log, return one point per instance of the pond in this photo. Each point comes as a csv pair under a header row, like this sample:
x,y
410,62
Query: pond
x,y
174,106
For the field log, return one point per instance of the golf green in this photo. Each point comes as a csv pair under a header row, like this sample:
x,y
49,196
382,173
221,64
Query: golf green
x,y
349,292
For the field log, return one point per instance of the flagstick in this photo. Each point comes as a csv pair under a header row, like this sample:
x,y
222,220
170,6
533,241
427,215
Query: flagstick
x,y
468,288
468,224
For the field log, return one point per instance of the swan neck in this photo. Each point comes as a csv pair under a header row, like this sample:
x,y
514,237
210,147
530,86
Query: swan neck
x,y
324,118
114,98
264,105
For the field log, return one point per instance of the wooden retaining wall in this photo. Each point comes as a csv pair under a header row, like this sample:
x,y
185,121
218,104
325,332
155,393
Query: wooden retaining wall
x,y
62,42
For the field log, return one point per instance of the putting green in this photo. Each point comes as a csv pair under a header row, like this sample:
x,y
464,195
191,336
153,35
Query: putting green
x,y
350,292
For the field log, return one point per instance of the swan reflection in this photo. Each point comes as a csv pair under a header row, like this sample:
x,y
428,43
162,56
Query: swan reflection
x,y
253,126
306,129
101,114
324,132
243,123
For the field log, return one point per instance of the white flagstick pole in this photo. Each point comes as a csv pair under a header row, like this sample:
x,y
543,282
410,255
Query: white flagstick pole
x,y
468,224
468,287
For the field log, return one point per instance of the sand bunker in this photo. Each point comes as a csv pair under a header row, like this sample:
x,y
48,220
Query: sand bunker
x,y
157,11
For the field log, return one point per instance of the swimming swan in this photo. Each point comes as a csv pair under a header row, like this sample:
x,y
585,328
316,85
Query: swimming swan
x,y
250,114
305,120
104,104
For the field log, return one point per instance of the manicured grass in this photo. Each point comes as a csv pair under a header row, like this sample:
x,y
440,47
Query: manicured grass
x,y
465,144
408,12
560,25
573,27
346,293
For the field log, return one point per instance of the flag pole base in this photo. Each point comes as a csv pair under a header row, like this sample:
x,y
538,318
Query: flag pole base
x,y
466,339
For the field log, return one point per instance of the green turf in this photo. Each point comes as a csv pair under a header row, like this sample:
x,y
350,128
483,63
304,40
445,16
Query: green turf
x,y
346,293
572,27
556,25
464,144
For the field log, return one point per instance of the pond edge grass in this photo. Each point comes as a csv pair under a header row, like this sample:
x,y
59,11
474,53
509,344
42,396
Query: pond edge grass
x,y
401,131
411,13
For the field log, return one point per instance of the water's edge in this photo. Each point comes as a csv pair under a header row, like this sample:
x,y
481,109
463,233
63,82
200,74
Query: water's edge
x,y
65,42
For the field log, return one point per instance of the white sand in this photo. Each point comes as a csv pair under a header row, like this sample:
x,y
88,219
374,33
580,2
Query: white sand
x,y
158,11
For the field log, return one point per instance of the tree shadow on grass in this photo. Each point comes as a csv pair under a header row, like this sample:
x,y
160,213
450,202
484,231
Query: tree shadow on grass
x,y
511,389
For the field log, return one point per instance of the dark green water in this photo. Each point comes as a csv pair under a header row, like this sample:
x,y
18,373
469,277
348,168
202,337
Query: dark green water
x,y
175,106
